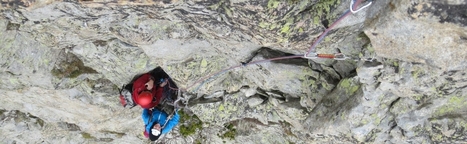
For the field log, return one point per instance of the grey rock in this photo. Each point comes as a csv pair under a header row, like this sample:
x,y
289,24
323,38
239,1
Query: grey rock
x,y
254,101
418,32
62,62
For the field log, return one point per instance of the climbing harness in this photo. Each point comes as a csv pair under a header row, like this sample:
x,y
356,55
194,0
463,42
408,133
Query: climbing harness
x,y
181,99
159,117
308,55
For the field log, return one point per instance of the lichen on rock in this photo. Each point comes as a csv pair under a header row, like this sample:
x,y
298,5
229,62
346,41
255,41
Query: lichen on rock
x,y
62,63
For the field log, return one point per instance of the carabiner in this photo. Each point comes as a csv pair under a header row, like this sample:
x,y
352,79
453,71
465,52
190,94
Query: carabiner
x,y
340,56
313,55
355,11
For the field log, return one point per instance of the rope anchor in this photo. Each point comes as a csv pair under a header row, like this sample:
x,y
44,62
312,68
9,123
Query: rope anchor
x,y
340,56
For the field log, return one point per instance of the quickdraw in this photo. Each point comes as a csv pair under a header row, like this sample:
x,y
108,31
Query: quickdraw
x,y
308,55
336,56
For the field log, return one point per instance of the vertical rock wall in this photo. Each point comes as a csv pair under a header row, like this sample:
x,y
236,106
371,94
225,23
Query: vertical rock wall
x,y
62,62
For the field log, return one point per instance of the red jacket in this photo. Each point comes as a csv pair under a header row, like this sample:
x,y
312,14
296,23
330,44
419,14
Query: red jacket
x,y
139,86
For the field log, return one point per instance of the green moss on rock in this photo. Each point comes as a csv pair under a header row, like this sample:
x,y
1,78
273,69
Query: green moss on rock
x,y
86,135
12,26
71,69
323,8
40,122
2,111
230,133
285,29
19,116
453,105
286,126
190,124
264,24
106,139
350,86
117,134
272,4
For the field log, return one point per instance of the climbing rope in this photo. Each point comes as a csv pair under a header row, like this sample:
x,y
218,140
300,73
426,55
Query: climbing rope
x,y
309,55
353,5
209,77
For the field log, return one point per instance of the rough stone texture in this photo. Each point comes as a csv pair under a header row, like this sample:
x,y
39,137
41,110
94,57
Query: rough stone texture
x,y
419,31
62,62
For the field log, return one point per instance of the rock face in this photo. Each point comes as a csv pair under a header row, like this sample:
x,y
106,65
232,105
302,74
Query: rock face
x,y
63,62
422,32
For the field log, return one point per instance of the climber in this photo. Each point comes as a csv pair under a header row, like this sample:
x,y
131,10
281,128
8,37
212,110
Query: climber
x,y
145,93
157,123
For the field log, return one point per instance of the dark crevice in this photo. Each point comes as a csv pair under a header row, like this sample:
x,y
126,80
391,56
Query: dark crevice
x,y
377,84
371,136
295,103
424,104
69,126
463,38
308,8
396,69
450,73
262,94
448,89
19,116
264,98
371,64
340,76
352,73
123,43
278,93
325,23
456,115
315,66
394,102
202,100
393,124
402,132
268,53
300,36
23,21
100,43
416,63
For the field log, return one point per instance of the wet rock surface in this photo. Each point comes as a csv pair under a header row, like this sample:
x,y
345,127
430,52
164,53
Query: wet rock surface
x,y
62,63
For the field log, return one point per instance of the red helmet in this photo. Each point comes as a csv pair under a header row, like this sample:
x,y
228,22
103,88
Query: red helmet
x,y
144,98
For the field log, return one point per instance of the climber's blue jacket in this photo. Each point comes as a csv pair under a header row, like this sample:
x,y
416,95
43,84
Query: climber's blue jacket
x,y
161,118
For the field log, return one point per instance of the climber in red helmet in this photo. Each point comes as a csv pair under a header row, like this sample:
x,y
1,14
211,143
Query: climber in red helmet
x,y
145,93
